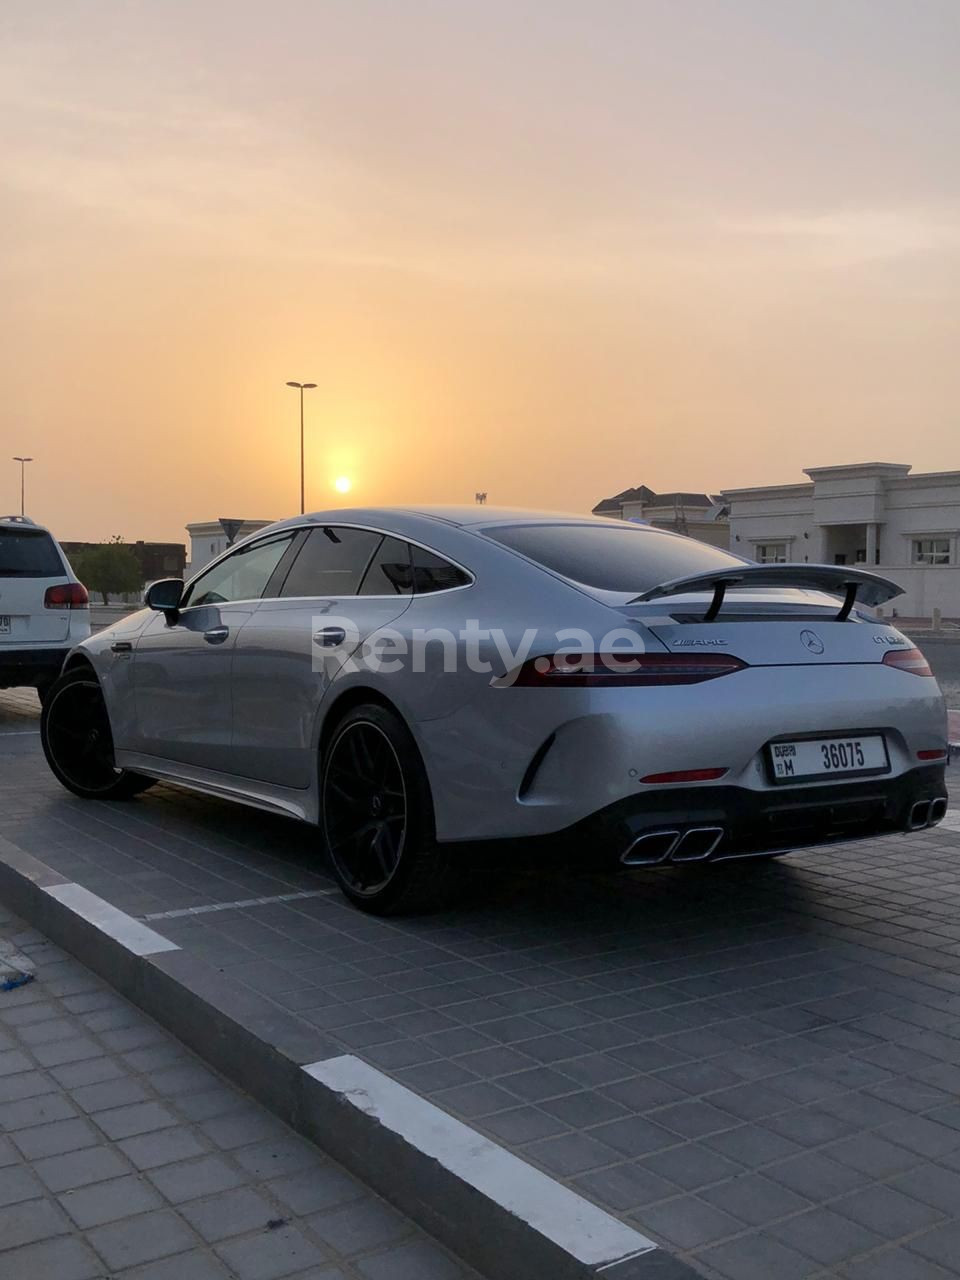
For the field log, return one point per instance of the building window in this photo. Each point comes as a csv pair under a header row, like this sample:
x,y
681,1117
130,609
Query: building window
x,y
772,552
931,551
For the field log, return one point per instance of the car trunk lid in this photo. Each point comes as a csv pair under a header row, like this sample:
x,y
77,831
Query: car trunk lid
x,y
773,615
777,639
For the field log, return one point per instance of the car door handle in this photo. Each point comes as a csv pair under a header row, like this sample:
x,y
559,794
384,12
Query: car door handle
x,y
121,646
216,635
329,637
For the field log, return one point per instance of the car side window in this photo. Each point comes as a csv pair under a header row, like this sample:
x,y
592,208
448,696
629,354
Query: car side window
x,y
432,573
241,576
331,562
389,572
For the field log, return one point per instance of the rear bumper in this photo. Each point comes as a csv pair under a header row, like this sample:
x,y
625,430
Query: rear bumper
x,y
743,823
491,777
30,666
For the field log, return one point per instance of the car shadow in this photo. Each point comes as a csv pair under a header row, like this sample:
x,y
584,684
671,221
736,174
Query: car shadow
x,y
528,890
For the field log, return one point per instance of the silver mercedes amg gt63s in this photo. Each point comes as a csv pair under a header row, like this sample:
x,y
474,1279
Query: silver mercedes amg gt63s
x,y
417,681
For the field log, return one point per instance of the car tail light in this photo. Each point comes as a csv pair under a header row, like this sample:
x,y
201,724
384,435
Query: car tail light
x,y
72,595
938,753
616,670
911,660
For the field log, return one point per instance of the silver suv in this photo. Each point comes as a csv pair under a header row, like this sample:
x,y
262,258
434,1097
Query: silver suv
x,y
44,609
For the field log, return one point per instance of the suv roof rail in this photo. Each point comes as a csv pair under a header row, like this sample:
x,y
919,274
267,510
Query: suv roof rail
x,y
17,520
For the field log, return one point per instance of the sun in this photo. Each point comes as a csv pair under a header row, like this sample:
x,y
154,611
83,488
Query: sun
x,y
343,484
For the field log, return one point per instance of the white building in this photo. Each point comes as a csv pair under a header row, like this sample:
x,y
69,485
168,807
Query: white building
x,y
870,513
209,538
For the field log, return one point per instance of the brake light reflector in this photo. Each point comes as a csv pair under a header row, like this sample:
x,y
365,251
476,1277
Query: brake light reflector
x,y
617,670
911,660
686,775
939,754
71,595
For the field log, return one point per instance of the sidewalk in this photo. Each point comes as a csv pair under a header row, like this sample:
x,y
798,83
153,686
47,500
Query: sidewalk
x,y
122,1155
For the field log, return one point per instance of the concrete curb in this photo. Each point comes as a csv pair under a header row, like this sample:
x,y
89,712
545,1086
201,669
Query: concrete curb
x,y
501,1215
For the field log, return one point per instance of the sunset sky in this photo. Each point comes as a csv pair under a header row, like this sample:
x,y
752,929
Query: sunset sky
x,y
545,249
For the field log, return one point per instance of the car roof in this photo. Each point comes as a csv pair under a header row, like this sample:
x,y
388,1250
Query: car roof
x,y
465,516
22,522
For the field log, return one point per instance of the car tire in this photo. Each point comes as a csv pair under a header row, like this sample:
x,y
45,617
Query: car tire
x,y
78,742
43,690
376,816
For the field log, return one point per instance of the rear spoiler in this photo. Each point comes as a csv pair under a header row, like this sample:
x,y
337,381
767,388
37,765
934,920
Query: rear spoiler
x,y
852,584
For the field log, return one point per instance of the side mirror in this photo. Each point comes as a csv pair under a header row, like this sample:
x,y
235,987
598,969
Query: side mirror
x,y
165,595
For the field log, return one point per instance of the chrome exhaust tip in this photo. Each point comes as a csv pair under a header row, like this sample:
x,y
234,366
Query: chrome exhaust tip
x,y
650,849
938,811
697,844
919,816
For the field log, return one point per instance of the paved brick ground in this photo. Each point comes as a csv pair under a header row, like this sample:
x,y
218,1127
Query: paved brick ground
x,y
122,1155
759,1065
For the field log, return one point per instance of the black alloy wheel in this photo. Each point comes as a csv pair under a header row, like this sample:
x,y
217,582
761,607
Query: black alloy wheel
x,y
78,742
376,814
365,809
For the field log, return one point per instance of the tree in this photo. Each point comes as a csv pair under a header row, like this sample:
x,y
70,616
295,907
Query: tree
x,y
110,568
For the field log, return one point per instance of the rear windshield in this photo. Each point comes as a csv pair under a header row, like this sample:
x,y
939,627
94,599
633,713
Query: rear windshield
x,y
29,553
632,558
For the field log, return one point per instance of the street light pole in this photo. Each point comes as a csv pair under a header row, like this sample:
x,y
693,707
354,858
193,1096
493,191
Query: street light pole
x,y
302,387
23,466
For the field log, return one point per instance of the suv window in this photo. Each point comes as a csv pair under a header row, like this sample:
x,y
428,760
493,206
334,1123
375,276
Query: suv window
x,y
389,573
241,576
29,553
631,558
331,562
431,573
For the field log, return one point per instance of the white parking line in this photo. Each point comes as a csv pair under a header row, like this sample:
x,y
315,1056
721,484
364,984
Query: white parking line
x,y
573,1224
231,906
116,924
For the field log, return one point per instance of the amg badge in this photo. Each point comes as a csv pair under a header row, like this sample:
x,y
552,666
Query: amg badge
x,y
686,644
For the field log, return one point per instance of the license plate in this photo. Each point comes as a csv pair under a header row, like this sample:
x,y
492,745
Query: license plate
x,y
5,625
828,757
